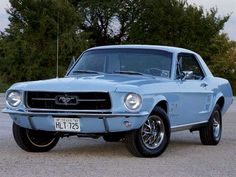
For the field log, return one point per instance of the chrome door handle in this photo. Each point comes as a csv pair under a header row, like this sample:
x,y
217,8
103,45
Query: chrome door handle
x,y
203,84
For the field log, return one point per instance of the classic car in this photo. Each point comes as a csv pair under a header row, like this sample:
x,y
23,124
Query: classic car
x,y
138,94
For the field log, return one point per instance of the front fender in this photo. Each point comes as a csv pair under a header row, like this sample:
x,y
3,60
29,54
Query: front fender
x,y
157,100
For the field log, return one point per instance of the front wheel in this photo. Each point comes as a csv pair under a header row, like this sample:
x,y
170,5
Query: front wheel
x,y
211,133
34,140
152,138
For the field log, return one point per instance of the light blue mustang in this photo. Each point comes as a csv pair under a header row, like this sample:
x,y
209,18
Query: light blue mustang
x,y
136,93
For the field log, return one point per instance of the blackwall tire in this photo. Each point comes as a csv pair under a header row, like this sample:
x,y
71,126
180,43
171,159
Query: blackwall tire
x,y
152,138
34,140
211,133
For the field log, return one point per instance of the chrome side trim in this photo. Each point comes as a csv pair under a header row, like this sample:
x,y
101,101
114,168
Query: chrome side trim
x,y
79,114
186,126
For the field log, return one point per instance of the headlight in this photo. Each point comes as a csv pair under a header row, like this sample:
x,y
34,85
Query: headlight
x,y
132,101
13,99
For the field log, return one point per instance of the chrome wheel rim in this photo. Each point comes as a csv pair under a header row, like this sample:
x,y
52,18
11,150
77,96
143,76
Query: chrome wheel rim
x,y
216,125
152,132
40,139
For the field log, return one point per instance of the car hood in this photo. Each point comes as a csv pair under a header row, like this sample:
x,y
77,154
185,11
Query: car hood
x,y
107,82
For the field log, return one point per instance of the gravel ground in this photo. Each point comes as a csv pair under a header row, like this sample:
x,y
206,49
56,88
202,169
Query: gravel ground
x,y
185,156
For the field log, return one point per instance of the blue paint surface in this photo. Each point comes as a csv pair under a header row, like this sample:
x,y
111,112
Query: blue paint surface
x,y
187,102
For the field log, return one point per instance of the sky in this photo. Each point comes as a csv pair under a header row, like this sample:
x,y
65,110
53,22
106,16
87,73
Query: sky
x,y
3,15
225,7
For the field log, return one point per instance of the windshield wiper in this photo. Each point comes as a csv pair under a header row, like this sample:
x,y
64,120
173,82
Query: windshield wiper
x,y
129,72
133,73
87,72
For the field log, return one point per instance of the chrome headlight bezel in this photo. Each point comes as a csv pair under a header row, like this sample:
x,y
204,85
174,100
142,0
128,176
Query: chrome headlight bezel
x,y
133,101
14,98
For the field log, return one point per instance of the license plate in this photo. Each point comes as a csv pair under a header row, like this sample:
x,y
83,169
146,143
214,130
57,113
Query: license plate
x,y
67,124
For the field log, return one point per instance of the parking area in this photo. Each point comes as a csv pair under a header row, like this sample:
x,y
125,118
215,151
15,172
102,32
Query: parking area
x,y
185,156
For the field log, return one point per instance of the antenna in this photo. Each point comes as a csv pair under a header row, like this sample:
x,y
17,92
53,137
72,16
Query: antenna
x,y
57,41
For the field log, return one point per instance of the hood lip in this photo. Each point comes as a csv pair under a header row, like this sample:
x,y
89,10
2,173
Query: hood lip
x,y
26,86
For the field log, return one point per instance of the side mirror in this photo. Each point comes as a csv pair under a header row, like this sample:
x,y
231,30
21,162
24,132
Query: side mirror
x,y
187,75
72,62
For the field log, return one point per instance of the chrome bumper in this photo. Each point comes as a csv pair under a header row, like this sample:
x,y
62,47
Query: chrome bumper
x,y
90,122
74,113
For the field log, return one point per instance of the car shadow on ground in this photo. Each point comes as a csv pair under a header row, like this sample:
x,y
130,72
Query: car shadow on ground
x,y
87,146
98,147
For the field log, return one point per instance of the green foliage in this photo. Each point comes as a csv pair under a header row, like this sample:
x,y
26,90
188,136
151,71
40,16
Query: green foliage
x,y
30,42
224,64
175,23
98,17
28,46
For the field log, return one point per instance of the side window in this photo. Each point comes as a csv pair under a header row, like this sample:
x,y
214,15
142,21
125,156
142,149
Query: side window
x,y
187,63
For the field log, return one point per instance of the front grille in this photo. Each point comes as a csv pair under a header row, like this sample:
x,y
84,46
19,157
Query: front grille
x,y
68,101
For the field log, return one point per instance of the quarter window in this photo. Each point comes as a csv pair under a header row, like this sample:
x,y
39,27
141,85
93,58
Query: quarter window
x,y
188,63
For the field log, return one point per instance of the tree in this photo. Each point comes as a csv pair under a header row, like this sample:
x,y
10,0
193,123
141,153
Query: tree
x,y
97,19
224,64
108,22
176,23
30,41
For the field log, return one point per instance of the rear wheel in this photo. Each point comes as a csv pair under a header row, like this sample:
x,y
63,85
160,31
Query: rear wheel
x,y
34,140
152,138
211,133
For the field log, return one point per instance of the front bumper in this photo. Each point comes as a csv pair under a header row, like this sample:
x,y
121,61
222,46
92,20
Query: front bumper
x,y
90,122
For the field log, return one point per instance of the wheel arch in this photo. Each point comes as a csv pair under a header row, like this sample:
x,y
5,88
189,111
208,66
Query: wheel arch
x,y
221,102
161,104
160,101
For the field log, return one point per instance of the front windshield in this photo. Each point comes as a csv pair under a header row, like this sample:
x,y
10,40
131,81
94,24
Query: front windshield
x,y
125,61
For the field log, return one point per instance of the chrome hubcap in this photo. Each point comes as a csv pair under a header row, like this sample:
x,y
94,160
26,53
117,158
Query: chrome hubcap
x,y
216,125
153,131
40,138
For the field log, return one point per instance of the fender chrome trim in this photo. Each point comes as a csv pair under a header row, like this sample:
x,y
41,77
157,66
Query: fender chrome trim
x,y
186,126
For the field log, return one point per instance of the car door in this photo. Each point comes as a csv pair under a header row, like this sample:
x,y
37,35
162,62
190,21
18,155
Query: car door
x,y
195,95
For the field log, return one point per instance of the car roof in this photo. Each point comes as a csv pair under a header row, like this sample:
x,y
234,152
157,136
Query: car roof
x,y
155,47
